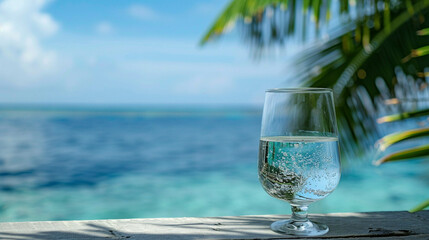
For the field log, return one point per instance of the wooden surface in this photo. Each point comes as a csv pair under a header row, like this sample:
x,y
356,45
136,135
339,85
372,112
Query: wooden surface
x,y
382,225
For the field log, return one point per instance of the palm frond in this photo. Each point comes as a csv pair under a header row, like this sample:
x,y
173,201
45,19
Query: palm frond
x,y
268,22
416,152
423,32
403,115
264,23
249,11
364,78
421,206
397,137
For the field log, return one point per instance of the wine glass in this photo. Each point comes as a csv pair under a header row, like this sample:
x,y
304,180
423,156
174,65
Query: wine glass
x,y
299,160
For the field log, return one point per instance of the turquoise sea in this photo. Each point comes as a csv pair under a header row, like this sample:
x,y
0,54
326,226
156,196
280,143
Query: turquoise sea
x,y
71,163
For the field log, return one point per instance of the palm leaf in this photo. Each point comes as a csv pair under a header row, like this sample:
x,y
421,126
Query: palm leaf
x,y
247,10
401,116
364,78
397,137
416,152
423,32
420,51
421,206
268,22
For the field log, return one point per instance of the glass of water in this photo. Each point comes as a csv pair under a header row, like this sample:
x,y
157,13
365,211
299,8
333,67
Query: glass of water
x,y
299,159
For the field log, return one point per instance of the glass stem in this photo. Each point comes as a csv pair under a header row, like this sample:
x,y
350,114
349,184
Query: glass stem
x,y
299,213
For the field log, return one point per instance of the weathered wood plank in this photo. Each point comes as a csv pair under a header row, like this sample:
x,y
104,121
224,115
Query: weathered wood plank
x,y
389,225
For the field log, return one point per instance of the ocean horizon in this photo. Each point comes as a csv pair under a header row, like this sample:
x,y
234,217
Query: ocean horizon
x,y
127,107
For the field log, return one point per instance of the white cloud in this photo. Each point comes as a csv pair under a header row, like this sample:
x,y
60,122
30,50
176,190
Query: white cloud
x,y
22,25
96,69
104,28
142,12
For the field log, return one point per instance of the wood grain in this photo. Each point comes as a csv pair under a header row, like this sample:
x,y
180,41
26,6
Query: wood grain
x,y
386,225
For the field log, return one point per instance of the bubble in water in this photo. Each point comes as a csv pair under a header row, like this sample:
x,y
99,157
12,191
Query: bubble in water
x,y
300,170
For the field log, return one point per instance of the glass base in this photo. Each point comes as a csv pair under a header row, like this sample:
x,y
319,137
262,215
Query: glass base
x,y
306,228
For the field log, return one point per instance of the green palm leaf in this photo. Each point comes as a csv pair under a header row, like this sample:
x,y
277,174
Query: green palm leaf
x,y
397,137
401,116
416,152
423,32
267,22
421,206
248,11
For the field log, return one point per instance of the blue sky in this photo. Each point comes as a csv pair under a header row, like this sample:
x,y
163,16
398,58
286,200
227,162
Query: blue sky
x,y
126,52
